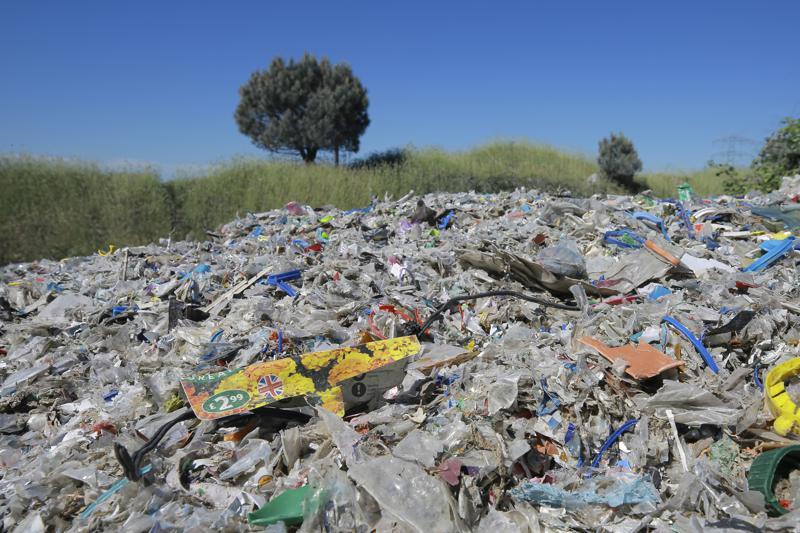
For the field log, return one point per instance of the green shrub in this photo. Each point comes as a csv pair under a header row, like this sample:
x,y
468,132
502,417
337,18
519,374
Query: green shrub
x,y
619,161
779,157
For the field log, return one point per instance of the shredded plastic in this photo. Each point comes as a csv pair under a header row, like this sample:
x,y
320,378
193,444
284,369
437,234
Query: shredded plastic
x,y
501,420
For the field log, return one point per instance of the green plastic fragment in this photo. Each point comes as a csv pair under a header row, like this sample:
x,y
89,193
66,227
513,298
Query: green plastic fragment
x,y
289,507
765,470
725,453
174,403
685,192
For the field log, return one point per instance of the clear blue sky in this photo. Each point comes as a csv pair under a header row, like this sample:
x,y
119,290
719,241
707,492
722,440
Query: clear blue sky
x,y
158,81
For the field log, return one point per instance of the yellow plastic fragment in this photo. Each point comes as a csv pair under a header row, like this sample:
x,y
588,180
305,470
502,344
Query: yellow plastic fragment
x,y
103,253
783,408
781,235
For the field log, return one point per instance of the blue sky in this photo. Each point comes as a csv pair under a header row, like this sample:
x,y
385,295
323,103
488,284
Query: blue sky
x,y
158,81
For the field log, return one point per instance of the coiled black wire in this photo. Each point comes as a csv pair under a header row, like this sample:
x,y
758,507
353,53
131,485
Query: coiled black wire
x,y
466,297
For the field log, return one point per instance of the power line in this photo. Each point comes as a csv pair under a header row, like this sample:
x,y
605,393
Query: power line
x,y
735,150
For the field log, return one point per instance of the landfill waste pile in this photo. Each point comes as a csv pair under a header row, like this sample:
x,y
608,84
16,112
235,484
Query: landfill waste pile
x,y
455,362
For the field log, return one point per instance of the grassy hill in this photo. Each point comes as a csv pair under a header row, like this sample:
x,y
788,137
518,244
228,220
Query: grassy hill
x,y
57,208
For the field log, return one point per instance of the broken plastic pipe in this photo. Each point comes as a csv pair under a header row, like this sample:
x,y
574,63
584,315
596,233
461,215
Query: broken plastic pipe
x,y
611,440
652,219
683,330
280,281
775,250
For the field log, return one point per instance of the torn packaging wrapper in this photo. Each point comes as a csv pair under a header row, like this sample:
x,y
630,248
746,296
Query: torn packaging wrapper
x,y
317,374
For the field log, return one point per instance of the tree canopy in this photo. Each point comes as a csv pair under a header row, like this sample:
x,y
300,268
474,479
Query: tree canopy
x,y
779,157
619,161
304,107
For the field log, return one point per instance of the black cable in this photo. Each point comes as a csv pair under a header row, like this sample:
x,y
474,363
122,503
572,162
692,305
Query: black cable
x,y
285,414
131,464
466,297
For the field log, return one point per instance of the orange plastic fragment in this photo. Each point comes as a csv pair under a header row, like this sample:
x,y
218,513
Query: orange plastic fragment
x,y
241,433
644,361
656,249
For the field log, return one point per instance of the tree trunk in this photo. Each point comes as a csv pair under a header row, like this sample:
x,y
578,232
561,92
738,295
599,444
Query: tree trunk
x,y
308,154
336,156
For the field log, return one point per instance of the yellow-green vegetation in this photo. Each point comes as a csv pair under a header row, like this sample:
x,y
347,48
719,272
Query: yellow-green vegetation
x,y
56,208
704,182
245,185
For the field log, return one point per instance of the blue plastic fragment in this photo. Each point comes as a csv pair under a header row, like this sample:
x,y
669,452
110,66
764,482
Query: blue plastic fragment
x,y
115,488
684,214
321,236
776,243
301,243
616,237
445,221
625,489
215,337
648,217
683,330
614,436
552,422
756,377
118,310
657,292
775,250
53,286
359,210
202,268
110,395
549,403
280,281
256,231
280,341
570,433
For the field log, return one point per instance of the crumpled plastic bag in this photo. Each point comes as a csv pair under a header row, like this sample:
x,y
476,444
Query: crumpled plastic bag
x,y
692,405
407,493
563,259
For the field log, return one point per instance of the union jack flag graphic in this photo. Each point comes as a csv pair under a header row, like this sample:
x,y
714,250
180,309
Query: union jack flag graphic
x,y
270,385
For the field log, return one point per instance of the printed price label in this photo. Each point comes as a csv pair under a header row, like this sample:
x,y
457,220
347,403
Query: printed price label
x,y
317,374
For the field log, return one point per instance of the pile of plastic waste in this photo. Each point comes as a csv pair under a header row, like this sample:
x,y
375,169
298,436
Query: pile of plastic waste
x,y
454,362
